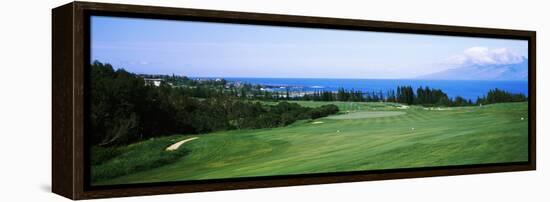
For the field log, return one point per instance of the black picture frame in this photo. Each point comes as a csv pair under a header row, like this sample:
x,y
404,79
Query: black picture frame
x,y
70,50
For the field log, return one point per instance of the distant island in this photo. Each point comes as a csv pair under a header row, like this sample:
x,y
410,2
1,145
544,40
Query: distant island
x,y
504,72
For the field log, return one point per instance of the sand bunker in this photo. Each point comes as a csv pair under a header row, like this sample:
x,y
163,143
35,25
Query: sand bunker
x,y
177,145
403,107
437,108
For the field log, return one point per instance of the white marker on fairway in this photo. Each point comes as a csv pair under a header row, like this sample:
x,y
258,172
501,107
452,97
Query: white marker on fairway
x,y
522,118
412,128
338,131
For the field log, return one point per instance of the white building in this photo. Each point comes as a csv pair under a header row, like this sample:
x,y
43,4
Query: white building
x,y
155,82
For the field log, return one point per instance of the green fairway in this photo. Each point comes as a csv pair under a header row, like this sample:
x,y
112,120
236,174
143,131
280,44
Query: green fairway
x,y
364,136
367,114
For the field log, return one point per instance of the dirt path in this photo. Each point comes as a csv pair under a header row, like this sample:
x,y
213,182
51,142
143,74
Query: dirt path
x,y
177,145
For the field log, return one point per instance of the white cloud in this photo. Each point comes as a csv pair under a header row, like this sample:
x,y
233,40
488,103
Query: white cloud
x,y
486,56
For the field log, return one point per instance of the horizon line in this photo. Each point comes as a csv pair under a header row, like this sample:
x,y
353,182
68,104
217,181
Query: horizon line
x,y
350,78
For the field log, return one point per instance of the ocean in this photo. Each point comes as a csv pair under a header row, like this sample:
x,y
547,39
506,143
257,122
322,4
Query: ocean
x,y
465,88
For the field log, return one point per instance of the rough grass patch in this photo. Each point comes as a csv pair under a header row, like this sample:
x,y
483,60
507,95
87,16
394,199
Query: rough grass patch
x,y
132,158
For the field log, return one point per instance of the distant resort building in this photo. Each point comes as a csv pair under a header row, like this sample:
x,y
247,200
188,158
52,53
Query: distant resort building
x,y
154,82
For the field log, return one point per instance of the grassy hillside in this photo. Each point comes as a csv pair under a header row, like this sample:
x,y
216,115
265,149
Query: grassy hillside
x,y
365,136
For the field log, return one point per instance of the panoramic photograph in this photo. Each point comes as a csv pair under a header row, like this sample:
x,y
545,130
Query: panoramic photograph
x,y
174,100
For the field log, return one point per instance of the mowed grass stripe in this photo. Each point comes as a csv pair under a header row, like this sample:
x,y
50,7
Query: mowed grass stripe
x,y
469,135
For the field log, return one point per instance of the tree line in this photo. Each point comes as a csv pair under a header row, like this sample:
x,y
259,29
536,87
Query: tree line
x,y
123,109
426,96
436,97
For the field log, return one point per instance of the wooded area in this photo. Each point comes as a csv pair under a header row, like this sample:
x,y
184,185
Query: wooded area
x,y
124,109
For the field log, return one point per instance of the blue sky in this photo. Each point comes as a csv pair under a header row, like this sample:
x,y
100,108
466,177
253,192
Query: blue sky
x,y
230,50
